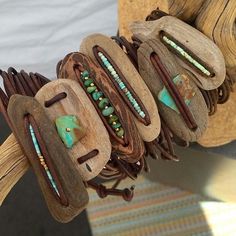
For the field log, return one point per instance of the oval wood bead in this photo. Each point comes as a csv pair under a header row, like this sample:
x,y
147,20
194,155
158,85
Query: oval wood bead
x,y
77,103
148,132
130,147
197,105
190,41
61,165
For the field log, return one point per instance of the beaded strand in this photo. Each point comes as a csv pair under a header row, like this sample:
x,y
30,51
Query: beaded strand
x,y
121,84
42,160
186,55
104,105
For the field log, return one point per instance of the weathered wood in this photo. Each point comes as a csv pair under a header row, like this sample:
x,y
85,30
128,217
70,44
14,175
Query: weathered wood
x,y
217,21
222,125
130,11
58,161
77,103
131,148
196,44
148,132
197,105
13,165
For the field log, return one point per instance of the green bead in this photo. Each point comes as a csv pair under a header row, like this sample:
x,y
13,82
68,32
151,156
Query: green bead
x,y
113,118
103,103
69,129
120,133
117,125
85,73
97,95
108,111
88,82
91,89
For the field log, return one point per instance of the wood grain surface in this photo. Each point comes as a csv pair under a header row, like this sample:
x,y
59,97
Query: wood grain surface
x,y
132,148
172,118
68,177
77,103
147,132
191,40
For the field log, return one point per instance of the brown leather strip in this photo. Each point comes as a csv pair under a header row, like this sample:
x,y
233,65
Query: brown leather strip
x,y
9,87
146,120
88,156
103,192
55,99
33,87
170,86
29,120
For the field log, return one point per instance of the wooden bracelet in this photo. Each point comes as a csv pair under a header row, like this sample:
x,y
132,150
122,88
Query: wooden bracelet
x,y
137,94
206,63
61,184
88,132
104,97
165,98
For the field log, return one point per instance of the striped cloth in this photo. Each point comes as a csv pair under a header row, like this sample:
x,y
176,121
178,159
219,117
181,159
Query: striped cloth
x,y
160,210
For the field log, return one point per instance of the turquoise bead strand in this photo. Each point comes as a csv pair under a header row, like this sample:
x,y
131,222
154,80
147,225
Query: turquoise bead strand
x,y
121,85
42,160
186,55
103,103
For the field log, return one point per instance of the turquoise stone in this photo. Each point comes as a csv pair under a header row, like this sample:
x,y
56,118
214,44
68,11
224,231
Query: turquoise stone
x,y
120,133
117,125
85,73
185,90
108,111
69,129
113,118
97,95
88,82
103,103
165,97
91,89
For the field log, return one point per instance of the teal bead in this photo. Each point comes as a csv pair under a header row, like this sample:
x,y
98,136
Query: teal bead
x,y
85,73
120,133
108,111
97,95
103,103
91,89
117,125
88,82
112,119
69,129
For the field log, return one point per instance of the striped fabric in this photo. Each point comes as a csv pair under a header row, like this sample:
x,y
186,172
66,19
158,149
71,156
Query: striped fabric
x,y
160,210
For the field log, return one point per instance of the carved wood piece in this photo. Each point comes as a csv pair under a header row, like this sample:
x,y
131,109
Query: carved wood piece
x,y
67,176
96,137
197,105
133,148
148,132
196,44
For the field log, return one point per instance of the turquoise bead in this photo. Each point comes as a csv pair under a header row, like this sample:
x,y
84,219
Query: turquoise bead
x,y
97,95
108,111
85,73
120,133
88,82
69,129
103,103
117,125
113,118
91,89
